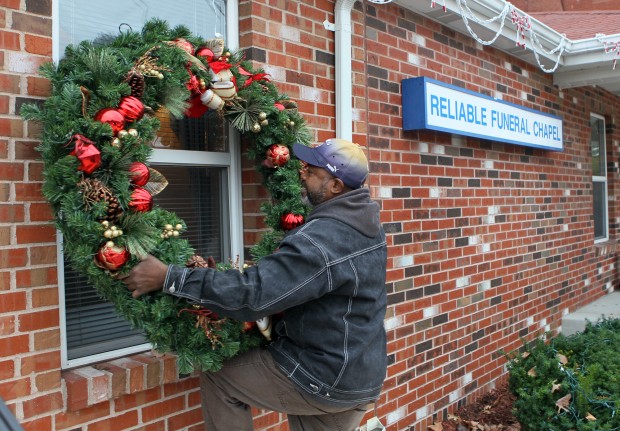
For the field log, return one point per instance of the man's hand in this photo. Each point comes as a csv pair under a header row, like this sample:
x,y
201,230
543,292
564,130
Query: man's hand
x,y
147,276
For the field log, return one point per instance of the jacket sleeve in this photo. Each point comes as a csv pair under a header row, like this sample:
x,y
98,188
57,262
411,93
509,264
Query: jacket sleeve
x,y
296,273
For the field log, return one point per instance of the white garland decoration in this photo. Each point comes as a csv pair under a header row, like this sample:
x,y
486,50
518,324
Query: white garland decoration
x,y
473,17
467,14
536,45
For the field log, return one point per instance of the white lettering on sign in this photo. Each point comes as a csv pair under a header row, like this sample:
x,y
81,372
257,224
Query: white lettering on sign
x,y
430,104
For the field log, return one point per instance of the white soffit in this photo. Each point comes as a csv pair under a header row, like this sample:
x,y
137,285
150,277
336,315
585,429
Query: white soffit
x,y
584,62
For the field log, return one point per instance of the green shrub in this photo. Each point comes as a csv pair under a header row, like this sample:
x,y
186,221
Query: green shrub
x,y
571,383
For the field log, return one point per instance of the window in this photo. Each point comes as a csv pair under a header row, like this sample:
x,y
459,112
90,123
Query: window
x,y
598,151
199,157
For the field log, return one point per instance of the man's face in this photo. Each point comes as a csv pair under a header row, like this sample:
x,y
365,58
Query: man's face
x,y
315,182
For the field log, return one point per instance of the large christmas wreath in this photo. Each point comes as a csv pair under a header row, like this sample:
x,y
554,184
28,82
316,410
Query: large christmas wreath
x,y
97,127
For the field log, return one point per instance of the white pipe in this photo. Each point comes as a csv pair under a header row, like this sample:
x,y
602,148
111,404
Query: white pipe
x,y
344,84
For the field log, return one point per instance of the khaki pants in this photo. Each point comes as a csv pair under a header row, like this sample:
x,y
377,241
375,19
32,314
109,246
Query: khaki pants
x,y
253,379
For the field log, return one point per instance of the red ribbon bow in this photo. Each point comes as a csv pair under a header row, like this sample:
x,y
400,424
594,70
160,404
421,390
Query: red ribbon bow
x,y
253,77
86,152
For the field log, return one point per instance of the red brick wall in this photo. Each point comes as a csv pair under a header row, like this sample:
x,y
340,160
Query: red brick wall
x,y
488,242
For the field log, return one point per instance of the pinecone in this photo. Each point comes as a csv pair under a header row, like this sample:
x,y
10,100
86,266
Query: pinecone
x,y
198,262
136,82
95,191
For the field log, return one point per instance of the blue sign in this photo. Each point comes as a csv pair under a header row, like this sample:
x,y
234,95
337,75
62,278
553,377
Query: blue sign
x,y
433,105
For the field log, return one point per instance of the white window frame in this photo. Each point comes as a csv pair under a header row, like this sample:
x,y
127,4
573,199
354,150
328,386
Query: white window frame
x,y
230,160
602,179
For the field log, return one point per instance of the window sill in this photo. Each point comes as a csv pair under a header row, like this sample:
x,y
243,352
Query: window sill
x,y
604,248
90,385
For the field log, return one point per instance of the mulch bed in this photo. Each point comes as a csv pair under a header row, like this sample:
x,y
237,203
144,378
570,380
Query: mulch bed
x,y
491,412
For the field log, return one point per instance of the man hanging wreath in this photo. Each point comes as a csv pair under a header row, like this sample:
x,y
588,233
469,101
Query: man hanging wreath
x,y
97,127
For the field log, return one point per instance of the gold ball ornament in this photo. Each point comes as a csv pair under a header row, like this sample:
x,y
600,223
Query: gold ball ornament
x,y
262,115
123,134
264,123
256,128
133,132
116,143
179,226
109,244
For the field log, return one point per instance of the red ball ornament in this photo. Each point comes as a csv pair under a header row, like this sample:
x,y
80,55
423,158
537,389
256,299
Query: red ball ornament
x,y
141,200
278,154
184,45
248,326
112,258
132,108
291,221
113,117
205,53
139,173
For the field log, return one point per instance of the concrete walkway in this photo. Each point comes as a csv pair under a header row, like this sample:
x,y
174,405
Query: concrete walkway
x,y
608,306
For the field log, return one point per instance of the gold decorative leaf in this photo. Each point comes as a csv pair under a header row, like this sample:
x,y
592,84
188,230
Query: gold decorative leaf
x,y
532,372
563,360
216,45
157,182
590,417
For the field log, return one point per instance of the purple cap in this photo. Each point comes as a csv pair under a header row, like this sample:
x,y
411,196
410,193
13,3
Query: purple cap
x,y
342,158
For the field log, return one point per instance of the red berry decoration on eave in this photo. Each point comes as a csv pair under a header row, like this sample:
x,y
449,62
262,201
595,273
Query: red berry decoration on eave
x,y
141,200
278,155
112,258
113,117
139,174
131,108
291,221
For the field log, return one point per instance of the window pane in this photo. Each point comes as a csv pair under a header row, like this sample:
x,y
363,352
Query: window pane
x,y
197,195
597,146
600,215
86,313
86,20
207,133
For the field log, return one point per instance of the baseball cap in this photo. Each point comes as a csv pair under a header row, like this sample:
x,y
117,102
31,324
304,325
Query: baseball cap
x,y
342,158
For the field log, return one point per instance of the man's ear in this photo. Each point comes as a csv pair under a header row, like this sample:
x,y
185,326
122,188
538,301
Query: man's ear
x,y
337,186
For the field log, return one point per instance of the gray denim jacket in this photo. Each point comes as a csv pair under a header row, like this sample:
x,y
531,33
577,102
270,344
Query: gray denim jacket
x,y
327,277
